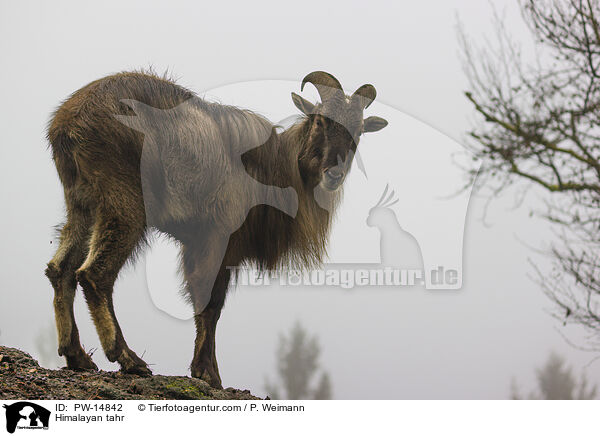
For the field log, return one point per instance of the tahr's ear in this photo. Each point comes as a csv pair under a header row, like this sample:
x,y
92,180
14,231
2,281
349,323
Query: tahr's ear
x,y
373,124
305,106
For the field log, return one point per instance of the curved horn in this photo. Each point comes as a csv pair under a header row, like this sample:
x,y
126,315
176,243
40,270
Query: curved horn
x,y
326,84
365,95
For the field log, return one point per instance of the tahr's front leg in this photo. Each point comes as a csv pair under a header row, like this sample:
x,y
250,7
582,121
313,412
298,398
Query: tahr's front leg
x,y
207,281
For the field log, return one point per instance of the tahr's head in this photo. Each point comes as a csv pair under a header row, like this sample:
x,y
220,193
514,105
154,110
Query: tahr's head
x,y
334,127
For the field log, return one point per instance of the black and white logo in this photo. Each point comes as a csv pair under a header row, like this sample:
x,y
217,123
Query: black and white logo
x,y
26,415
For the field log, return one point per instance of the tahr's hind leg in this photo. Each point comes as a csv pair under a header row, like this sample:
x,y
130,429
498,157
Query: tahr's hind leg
x,y
114,237
61,272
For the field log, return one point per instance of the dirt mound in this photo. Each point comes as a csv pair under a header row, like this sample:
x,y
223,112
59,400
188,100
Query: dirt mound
x,y
21,377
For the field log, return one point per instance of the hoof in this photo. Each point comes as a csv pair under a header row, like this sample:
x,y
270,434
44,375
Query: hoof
x,y
81,362
132,364
212,379
141,370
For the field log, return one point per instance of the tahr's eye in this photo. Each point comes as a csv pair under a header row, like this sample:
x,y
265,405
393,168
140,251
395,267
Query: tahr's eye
x,y
319,122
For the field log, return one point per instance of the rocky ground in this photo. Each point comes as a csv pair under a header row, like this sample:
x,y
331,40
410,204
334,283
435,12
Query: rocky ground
x,y
21,377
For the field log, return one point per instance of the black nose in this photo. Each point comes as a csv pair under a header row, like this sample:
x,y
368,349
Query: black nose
x,y
335,174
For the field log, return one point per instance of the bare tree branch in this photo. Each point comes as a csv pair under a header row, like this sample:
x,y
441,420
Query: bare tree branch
x,y
538,122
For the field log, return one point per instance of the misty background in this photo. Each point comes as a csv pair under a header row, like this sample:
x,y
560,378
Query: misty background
x,y
468,343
